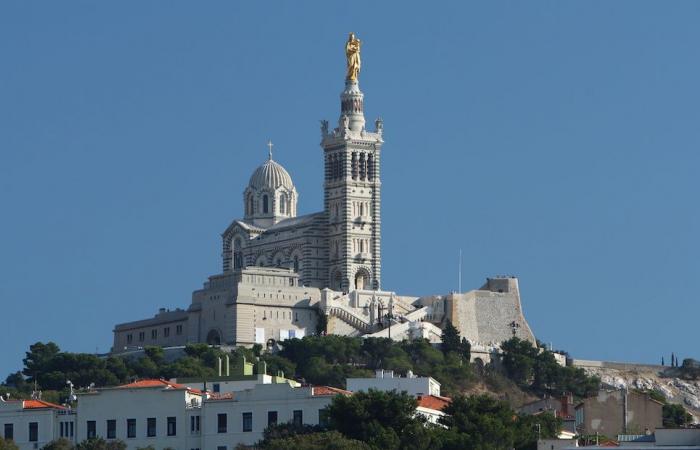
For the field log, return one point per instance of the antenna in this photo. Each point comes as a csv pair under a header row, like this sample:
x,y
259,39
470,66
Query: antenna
x,y
460,272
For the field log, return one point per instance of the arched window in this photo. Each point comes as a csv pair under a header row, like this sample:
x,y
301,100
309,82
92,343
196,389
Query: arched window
x,y
363,167
237,254
283,204
361,279
265,204
249,205
370,167
296,263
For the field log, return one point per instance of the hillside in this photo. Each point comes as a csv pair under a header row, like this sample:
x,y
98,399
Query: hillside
x,y
663,379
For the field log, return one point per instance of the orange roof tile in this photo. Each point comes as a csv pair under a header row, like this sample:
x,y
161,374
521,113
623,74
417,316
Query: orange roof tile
x,y
151,383
433,402
40,404
328,390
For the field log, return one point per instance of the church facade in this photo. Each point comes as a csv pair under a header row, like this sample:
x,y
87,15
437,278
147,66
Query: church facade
x,y
287,276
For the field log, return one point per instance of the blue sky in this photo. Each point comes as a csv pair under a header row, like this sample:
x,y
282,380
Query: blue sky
x,y
556,141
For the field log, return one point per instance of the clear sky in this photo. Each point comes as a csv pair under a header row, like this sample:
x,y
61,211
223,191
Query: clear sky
x,y
555,141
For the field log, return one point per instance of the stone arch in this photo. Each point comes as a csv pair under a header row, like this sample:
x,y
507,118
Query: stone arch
x,y
283,209
261,260
336,280
237,252
297,260
214,337
278,259
362,279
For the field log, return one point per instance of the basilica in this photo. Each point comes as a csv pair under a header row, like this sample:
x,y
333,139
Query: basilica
x,y
285,276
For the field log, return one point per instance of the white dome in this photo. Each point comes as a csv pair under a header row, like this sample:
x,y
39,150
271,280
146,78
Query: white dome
x,y
270,175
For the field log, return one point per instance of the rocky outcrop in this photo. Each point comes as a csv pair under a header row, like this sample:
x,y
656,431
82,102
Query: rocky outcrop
x,y
658,378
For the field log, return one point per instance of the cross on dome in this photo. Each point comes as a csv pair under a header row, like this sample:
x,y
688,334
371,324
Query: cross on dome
x,y
269,145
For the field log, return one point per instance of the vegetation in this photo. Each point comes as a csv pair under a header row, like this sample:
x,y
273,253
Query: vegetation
x,y
535,369
674,415
7,445
88,444
387,421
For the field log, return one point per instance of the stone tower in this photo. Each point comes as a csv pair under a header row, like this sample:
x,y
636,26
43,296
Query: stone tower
x,y
352,195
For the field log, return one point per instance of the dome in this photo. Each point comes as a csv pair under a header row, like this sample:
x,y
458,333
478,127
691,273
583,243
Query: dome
x,y
270,175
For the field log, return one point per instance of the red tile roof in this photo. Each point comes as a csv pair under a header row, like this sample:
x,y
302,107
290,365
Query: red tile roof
x,y
152,383
40,404
327,390
433,402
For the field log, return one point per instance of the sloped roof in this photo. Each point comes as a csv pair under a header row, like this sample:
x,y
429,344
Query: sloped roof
x,y
328,390
153,383
433,402
40,404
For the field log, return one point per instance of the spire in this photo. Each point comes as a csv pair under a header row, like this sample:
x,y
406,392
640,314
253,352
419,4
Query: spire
x,y
269,146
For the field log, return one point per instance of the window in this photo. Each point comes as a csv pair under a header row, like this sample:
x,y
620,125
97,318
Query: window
x,y
265,204
131,428
62,426
9,431
178,329
71,429
166,331
154,334
129,338
221,423
111,429
247,421
323,417
217,387
151,427
172,426
221,447
91,429
194,425
33,431
271,418
142,336
283,201
298,418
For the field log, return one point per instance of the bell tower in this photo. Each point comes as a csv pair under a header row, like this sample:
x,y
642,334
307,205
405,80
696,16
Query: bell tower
x,y
352,188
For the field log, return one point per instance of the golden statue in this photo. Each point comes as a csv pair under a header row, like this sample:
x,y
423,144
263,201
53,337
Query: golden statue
x,y
352,53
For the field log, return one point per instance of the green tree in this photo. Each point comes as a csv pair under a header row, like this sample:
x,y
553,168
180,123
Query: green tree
x,y
7,445
59,444
675,416
482,422
384,420
451,341
100,444
329,440
38,359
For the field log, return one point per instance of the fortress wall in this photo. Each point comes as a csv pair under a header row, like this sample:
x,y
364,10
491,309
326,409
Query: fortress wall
x,y
585,363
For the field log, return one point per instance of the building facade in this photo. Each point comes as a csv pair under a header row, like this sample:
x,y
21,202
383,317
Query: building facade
x,y
281,273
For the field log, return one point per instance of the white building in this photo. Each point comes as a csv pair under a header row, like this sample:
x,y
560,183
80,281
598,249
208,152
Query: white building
x,y
143,413
31,424
166,414
280,273
385,380
243,417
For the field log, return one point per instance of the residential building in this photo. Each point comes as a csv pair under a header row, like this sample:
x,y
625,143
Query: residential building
x,y
618,412
31,424
242,417
143,413
386,380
